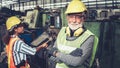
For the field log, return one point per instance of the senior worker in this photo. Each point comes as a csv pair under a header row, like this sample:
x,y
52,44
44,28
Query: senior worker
x,y
75,46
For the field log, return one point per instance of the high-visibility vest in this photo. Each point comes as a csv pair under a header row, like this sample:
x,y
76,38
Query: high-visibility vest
x,y
9,50
67,47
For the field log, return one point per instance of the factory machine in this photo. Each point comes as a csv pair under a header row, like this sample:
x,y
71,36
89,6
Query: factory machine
x,y
42,25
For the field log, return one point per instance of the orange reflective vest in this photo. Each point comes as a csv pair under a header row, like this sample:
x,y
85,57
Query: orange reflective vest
x,y
9,50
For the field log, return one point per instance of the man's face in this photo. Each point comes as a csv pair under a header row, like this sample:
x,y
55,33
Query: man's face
x,y
75,20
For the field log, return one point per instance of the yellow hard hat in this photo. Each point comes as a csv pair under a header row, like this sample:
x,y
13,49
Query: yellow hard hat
x,y
75,6
12,21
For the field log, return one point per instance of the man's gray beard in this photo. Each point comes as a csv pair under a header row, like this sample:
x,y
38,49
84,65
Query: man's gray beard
x,y
74,27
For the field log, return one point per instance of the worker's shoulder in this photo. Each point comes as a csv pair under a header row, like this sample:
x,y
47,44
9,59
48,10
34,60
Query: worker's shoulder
x,y
89,32
63,29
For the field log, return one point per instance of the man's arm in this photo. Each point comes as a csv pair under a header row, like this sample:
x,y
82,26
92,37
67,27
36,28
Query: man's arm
x,y
77,60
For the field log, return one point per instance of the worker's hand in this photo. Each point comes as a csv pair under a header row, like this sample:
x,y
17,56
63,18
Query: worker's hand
x,y
44,45
52,51
77,52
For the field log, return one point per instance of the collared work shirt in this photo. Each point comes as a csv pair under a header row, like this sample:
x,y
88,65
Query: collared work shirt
x,y
20,50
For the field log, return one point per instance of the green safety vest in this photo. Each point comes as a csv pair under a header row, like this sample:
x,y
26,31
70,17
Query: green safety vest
x,y
68,46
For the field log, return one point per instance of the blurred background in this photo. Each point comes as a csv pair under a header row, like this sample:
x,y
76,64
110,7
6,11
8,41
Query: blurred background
x,y
44,18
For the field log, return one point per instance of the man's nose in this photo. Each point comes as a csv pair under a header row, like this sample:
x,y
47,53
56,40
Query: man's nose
x,y
74,19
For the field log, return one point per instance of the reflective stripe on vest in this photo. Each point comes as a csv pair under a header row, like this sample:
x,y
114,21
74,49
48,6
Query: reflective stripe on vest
x,y
68,46
94,50
9,53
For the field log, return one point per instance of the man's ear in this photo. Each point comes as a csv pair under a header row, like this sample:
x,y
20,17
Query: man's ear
x,y
83,19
